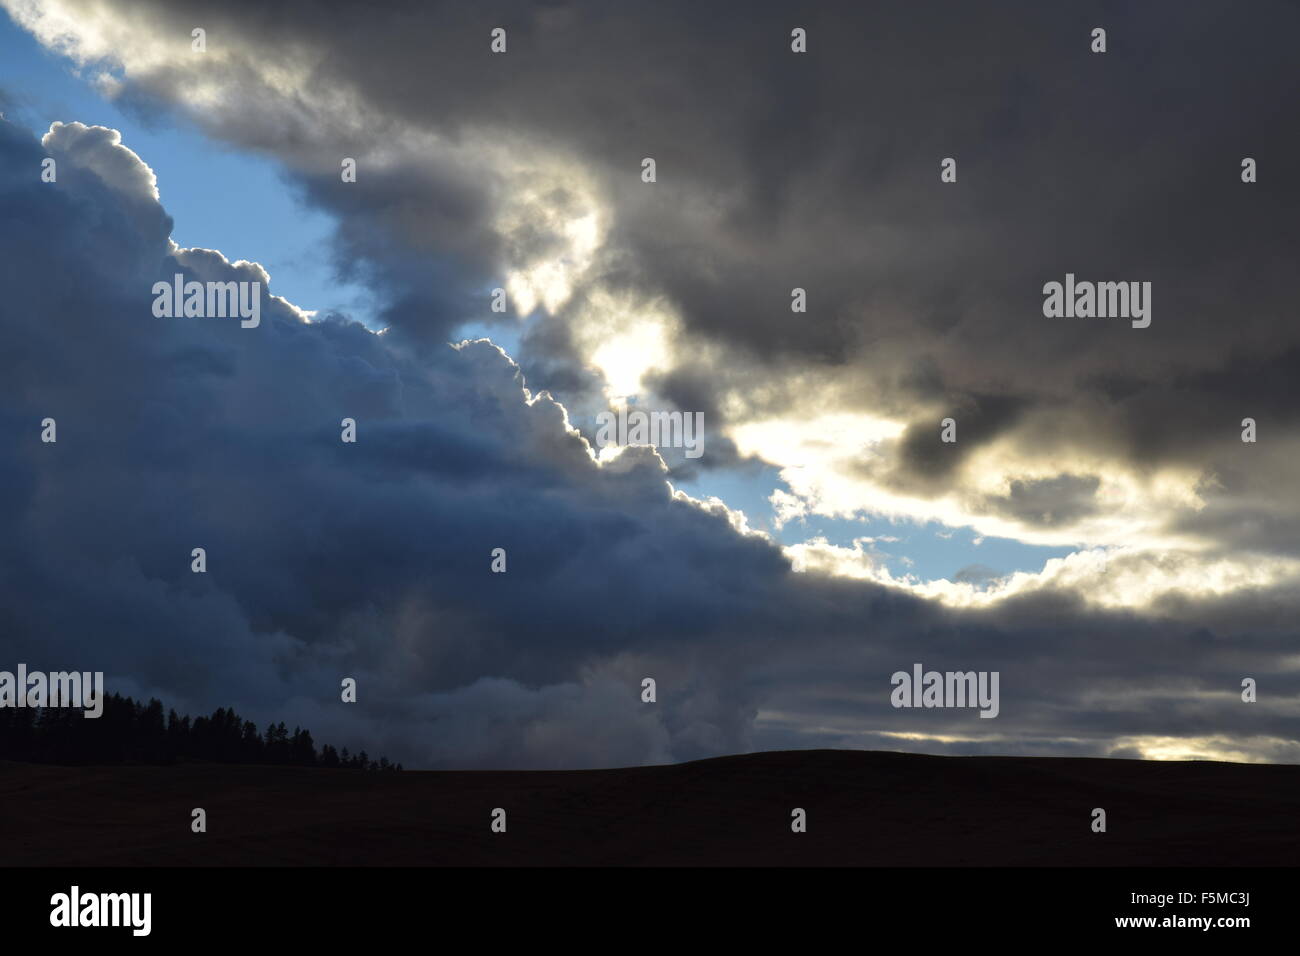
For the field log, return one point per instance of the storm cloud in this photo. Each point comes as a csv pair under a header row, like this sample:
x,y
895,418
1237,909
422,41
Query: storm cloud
x,y
818,171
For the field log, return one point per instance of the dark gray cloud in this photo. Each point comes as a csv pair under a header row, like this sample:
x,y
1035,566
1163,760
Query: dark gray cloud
x,y
1049,501
821,171
774,171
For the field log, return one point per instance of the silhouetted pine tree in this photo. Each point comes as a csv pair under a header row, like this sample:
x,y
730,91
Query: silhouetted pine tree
x,y
130,732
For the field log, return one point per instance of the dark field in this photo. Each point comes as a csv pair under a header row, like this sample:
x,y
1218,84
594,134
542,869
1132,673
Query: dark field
x,y
864,809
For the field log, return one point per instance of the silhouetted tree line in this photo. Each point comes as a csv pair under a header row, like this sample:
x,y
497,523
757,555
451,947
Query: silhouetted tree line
x,y
128,732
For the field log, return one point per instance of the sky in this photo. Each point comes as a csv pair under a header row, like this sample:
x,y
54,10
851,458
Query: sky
x,y
1098,532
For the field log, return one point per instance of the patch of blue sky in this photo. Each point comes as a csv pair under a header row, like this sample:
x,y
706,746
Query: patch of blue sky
x,y
928,550
220,199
